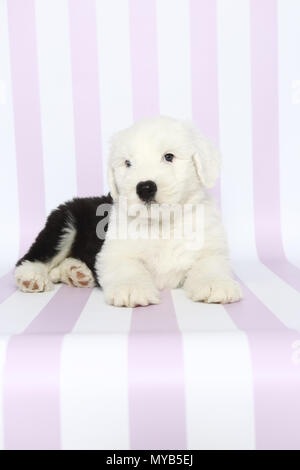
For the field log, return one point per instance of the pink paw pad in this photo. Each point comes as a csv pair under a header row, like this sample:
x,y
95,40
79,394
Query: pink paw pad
x,y
78,278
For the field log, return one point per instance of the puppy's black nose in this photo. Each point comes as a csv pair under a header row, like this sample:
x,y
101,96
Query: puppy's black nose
x,y
146,190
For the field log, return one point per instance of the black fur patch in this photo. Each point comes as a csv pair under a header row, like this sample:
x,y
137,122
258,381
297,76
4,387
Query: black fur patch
x,y
81,213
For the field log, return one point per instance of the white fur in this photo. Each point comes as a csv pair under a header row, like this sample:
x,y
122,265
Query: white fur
x,y
32,276
130,271
64,245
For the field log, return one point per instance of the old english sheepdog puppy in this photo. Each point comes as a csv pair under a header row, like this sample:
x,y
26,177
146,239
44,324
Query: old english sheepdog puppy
x,y
157,228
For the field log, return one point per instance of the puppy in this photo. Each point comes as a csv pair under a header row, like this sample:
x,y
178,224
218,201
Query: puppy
x,y
135,241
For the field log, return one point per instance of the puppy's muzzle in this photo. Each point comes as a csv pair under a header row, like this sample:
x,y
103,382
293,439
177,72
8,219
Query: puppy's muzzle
x,y
146,190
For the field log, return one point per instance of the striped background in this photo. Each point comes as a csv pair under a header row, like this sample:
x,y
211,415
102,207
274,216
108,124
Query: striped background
x,y
76,373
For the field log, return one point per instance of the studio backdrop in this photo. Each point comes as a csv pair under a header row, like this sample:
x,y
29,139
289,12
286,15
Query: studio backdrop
x,y
76,373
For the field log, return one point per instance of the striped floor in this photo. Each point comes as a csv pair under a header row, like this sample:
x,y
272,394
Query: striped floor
x,y
76,373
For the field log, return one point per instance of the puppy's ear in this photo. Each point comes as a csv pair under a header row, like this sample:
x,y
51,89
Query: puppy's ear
x,y
206,159
112,184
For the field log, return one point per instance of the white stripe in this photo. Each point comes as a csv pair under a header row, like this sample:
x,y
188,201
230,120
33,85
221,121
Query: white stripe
x,y
94,378
55,82
115,83
9,205
218,377
3,347
236,148
289,124
18,310
235,123
173,30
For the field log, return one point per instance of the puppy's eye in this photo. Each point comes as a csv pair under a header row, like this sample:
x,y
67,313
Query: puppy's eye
x,y
169,157
127,163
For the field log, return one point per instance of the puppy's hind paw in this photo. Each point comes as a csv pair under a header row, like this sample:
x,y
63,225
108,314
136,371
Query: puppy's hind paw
x,y
32,277
210,291
75,273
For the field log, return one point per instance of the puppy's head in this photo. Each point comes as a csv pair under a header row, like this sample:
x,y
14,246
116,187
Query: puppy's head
x,y
161,160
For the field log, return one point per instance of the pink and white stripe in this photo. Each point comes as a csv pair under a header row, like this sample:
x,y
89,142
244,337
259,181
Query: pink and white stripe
x,y
265,121
33,366
78,374
155,361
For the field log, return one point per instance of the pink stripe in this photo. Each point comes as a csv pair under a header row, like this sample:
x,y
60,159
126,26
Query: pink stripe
x,y
27,120
27,125
156,385
144,58
83,33
264,78
32,374
276,378
204,63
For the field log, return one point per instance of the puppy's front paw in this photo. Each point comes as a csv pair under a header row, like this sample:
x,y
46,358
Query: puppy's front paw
x,y
32,277
210,291
131,295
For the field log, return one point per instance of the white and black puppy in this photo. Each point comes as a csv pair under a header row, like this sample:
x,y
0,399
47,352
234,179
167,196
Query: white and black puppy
x,y
156,163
